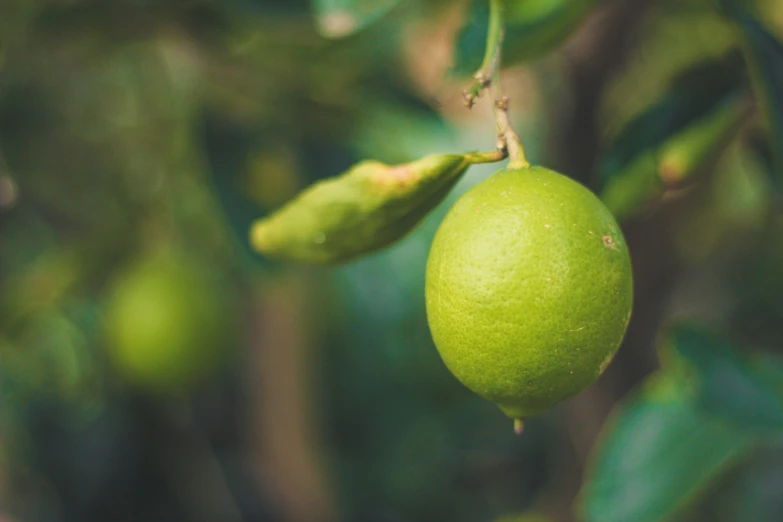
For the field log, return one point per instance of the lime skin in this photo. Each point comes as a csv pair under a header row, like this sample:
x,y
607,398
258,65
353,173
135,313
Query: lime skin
x,y
529,289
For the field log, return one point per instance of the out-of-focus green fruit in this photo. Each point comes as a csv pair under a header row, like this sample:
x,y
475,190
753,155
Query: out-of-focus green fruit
x,y
169,323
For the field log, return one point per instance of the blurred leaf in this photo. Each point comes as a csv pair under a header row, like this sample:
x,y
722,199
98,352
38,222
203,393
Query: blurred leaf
x,y
363,210
52,357
681,155
536,27
339,18
43,284
673,38
472,39
657,453
59,273
672,139
734,206
758,493
728,383
533,28
417,132
765,55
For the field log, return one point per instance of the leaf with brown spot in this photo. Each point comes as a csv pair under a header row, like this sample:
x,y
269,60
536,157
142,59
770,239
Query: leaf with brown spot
x,y
367,208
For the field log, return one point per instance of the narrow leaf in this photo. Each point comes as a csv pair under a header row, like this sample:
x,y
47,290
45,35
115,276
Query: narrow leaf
x,y
673,38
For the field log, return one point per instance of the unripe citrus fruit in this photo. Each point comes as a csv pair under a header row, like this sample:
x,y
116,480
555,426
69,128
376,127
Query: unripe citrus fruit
x,y
168,323
529,289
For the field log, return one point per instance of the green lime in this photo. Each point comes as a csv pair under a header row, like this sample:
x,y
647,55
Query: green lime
x,y
169,323
529,289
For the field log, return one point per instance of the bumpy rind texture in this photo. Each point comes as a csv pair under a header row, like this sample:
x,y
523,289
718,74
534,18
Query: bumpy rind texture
x,y
529,289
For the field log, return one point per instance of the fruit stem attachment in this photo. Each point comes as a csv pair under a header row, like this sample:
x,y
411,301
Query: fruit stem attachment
x,y
474,158
508,139
486,73
519,426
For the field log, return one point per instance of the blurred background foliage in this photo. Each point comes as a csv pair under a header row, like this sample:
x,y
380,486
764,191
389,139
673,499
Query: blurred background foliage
x,y
153,368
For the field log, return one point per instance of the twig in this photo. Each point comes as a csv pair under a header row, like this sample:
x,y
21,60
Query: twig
x,y
508,139
474,158
491,62
508,142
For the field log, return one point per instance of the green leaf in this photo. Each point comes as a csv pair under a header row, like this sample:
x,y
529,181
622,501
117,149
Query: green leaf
x,y
533,29
363,210
764,52
537,27
658,452
673,38
472,39
340,18
736,200
669,142
728,383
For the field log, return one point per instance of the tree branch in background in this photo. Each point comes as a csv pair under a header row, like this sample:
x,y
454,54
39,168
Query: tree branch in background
x,y
284,434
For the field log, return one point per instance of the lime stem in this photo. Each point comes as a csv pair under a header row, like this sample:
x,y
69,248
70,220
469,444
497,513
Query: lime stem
x,y
507,137
474,158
